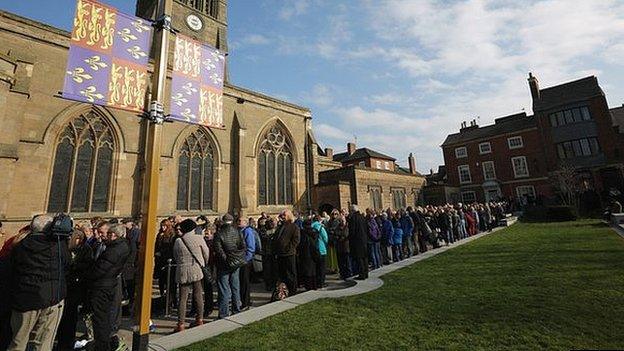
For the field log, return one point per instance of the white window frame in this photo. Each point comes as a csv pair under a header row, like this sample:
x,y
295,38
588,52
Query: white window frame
x,y
526,166
489,148
485,177
459,173
362,164
461,152
525,187
474,195
378,164
387,165
519,146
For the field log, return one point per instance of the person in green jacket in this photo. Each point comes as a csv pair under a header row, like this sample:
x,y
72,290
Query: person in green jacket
x,y
322,241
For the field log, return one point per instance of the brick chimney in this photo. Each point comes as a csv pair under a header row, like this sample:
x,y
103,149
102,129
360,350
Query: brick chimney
x,y
412,163
350,148
534,86
329,152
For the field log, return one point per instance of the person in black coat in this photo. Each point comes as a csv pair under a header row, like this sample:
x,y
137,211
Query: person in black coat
x,y
308,256
103,283
38,269
358,239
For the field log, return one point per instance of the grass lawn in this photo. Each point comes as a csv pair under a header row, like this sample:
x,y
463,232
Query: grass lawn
x,y
531,286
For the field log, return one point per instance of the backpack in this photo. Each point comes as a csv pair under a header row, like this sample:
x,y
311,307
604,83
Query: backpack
x,y
375,232
280,292
62,225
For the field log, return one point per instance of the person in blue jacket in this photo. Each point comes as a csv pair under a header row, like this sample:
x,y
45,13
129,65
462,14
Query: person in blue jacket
x,y
397,239
322,241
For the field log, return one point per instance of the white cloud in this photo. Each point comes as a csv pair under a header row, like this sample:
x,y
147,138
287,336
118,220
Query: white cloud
x,y
293,8
256,39
331,132
320,95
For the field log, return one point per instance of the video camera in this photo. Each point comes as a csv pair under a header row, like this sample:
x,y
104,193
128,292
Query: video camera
x,y
62,225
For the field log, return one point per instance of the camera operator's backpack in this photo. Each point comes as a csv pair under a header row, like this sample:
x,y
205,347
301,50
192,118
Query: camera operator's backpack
x,y
62,225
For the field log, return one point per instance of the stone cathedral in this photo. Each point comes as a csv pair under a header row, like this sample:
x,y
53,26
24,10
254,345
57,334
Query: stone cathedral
x,y
59,155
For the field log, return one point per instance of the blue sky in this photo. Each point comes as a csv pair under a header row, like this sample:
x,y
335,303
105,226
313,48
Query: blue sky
x,y
399,75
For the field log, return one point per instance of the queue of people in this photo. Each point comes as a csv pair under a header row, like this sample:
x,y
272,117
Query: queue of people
x,y
90,272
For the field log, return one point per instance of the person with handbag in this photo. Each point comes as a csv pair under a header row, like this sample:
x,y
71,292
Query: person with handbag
x,y
191,255
230,249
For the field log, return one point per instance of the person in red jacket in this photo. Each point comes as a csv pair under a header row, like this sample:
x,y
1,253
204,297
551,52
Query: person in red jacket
x,y
471,223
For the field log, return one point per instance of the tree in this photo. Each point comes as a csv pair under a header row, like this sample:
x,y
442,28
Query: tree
x,y
568,184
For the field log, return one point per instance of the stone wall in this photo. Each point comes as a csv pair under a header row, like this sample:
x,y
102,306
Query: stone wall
x,y
358,181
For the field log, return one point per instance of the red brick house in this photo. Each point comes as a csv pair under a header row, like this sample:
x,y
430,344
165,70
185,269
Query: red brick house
x,y
516,156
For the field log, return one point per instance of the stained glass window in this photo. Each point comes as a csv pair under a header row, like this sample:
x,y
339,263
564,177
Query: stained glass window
x,y
275,169
83,166
196,173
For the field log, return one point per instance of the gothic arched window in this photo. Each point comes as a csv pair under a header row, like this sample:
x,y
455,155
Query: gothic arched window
x,y
196,173
275,169
83,166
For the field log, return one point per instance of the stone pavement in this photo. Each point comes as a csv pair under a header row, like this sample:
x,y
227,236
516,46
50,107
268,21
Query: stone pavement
x,y
165,324
336,288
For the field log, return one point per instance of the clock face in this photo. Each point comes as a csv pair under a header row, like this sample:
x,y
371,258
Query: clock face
x,y
194,22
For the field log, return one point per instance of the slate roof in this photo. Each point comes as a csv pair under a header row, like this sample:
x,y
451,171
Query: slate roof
x,y
405,170
502,125
581,89
361,153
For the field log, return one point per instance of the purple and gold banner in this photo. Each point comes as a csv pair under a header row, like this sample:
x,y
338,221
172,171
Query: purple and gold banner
x,y
197,84
108,57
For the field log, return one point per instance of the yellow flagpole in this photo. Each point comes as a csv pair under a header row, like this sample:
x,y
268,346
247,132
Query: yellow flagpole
x,y
149,226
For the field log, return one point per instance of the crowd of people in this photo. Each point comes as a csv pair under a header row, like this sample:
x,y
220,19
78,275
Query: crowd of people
x,y
55,277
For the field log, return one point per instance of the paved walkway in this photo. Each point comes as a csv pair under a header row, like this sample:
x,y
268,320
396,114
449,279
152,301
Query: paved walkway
x,y
209,330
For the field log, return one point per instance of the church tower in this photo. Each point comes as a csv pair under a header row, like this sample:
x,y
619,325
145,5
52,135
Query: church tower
x,y
202,20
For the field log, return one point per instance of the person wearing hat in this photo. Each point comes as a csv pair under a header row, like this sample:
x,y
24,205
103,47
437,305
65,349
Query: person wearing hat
x,y
191,254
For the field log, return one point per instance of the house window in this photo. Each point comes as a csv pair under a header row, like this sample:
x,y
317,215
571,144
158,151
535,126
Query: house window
x,y
464,174
468,197
83,166
375,198
196,173
461,152
485,148
515,142
489,173
362,164
378,163
526,191
275,169
578,148
520,166
387,165
569,116
398,198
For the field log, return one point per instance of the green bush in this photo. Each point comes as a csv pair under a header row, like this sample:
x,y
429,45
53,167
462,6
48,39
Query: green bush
x,y
549,214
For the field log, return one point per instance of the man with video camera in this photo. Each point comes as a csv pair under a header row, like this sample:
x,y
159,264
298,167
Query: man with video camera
x,y
38,287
